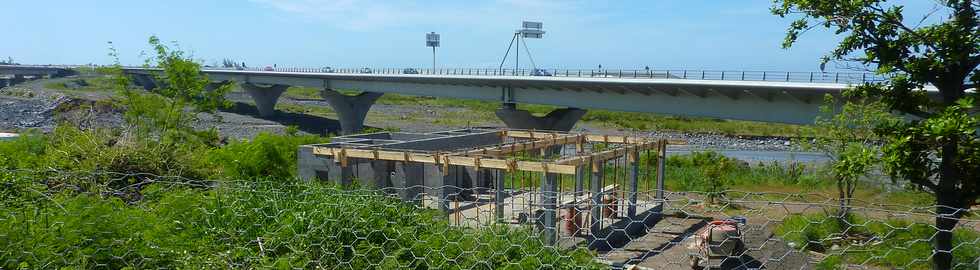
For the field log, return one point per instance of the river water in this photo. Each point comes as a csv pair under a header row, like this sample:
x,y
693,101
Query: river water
x,y
755,156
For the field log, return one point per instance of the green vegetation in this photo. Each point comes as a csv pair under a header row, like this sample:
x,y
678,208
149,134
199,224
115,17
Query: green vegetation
x,y
939,151
687,173
888,243
91,84
267,156
299,92
846,134
159,194
258,224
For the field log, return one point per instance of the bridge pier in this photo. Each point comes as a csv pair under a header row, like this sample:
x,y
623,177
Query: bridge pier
x,y
558,120
265,97
351,109
18,79
146,81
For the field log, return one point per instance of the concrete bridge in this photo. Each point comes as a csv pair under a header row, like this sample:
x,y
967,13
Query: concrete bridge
x,y
779,97
15,74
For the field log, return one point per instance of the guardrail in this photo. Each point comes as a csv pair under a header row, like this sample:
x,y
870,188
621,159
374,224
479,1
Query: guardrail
x,y
769,76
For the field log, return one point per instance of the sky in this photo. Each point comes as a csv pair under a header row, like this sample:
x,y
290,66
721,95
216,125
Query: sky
x,y
623,34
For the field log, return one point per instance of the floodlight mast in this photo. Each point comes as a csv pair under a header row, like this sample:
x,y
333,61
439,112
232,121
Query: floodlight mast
x,y
528,30
432,40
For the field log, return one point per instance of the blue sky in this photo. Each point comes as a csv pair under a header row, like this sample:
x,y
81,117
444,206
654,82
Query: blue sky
x,y
689,34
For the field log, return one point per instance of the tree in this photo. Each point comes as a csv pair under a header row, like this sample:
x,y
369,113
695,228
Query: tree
x,y
938,151
162,114
183,85
714,167
846,134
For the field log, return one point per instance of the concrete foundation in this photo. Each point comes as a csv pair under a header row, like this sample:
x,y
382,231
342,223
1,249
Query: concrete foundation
x,y
265,97
557,120
351,109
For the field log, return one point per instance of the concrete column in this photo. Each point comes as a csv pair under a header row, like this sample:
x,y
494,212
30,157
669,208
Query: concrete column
x,y
498,198
634,183
549,203
311,167
407,177
347,173
351,109
382,175
558,120
597,207
661,168
581,172
18,79
265,97
439,183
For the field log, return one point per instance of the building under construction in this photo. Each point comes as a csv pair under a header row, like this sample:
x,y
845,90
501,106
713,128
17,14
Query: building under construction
x,y
570,187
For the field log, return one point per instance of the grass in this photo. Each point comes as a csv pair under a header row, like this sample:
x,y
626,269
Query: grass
x,y
481,111
95,84
275,224
887,243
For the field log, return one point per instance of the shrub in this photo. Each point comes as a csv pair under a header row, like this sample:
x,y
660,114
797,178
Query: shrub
x,y
888,243
267,156
25,151
262,224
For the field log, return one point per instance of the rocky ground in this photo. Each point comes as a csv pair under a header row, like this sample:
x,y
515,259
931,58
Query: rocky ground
x,y
31,105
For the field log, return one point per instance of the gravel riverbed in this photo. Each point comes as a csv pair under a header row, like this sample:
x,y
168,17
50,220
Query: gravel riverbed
x,y
32,106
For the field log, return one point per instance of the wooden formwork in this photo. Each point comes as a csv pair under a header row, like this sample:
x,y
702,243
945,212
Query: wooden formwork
x,y
495,157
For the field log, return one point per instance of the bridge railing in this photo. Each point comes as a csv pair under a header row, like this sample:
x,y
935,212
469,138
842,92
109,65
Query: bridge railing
x,y
725,75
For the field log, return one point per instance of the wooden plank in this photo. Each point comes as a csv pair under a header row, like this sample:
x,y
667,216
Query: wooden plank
x,y
534,166
584,198
607,154
524,146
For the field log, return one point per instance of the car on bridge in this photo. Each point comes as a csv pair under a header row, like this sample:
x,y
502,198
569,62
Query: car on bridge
x,y
540,72
410,71
268,68
326,70
366,71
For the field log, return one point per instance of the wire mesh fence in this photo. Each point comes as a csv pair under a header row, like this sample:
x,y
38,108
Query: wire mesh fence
x,y
55,219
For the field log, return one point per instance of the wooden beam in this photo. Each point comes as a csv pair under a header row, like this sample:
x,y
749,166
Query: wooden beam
x,y
522,146
494,163
607,154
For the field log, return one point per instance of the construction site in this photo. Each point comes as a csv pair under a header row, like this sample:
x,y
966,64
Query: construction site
x,y
570,187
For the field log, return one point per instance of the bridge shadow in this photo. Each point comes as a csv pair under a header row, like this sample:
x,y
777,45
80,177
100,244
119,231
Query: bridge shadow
x,y
307,123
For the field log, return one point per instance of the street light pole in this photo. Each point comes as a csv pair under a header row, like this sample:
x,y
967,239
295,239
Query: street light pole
x,y
432,40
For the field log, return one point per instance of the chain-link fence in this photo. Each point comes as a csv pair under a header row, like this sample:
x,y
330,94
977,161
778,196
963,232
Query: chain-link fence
x,y
54,219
